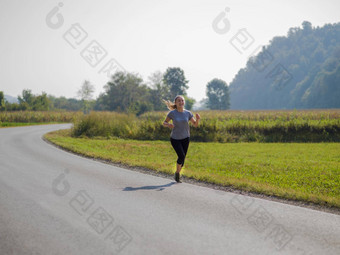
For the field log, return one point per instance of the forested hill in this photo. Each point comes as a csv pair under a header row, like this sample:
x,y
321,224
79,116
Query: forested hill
x,y
301,70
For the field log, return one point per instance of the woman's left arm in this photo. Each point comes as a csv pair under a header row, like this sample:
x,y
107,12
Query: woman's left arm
x,y
196,121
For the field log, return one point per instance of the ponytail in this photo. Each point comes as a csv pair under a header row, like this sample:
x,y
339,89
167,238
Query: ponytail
x,y
171,105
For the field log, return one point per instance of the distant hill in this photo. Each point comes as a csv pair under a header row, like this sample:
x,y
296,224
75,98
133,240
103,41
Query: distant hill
x,y
300,70
11,99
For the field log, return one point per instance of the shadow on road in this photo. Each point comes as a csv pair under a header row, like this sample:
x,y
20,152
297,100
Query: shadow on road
x,y
158,188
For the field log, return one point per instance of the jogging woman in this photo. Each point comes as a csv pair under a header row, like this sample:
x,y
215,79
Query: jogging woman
x,y
180,134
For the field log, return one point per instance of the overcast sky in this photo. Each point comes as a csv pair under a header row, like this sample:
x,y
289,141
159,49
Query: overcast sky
x,y
53,46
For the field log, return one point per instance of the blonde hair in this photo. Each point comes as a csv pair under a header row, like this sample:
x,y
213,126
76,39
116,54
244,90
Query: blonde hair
x,y
171,105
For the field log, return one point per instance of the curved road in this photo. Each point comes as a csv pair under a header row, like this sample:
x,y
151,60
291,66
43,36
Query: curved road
x,y
54,202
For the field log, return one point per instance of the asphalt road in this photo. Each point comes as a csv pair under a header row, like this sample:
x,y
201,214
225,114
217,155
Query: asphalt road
x,y
54,202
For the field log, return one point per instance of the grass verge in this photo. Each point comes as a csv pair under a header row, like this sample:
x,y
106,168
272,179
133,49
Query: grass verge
x,y
308,172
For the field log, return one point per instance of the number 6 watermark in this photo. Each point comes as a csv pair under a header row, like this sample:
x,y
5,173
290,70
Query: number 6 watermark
x,y
242,40
93,53
96,216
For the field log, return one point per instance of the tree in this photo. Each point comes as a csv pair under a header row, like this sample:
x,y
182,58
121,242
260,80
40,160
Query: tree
x,y
85,93
126,92
297,71
175,80
189,102
41,103
63,103
26,101
2,100
102,102
307,26
217,92
159,90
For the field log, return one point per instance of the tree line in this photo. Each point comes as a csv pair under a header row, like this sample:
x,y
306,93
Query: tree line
x,y
300,70
28,101
126,92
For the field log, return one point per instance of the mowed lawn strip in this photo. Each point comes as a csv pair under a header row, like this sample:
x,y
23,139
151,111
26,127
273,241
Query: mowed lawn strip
x,y
299,171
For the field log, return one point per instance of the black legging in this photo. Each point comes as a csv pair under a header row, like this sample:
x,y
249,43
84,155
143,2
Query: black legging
x,y
181,148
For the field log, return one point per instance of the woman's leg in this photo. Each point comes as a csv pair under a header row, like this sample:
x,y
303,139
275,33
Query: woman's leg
x,y
177,145
181,148
185,146
178,168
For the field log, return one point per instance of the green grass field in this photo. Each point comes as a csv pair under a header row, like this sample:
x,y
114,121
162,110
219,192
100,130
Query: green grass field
x,y
298,171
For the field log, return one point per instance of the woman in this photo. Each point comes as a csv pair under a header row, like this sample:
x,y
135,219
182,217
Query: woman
x,y
180,129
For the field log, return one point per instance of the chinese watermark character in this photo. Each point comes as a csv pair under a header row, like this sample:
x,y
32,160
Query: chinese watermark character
x,y
93,53
119,238
260,219
75,35
100,220
279,236
111,67
280,76
242,203
242,40
81,202
262,60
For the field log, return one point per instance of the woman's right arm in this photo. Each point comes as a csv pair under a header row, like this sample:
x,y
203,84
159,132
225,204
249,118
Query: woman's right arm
x,y
167,124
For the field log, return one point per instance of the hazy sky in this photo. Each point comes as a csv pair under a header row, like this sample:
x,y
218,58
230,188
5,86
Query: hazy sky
x,y
53,46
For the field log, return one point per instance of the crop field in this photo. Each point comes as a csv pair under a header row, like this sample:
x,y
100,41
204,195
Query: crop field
x,y
219,126
32,117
